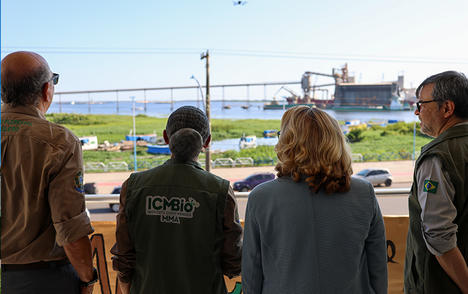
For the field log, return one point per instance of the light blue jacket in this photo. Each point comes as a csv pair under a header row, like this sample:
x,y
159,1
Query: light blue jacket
x,y
299,242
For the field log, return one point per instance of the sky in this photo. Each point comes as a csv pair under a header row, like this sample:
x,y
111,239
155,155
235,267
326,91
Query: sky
x,y
102,45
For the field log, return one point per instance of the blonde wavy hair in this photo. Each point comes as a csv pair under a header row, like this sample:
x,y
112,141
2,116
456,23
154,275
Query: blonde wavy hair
x,y
312,144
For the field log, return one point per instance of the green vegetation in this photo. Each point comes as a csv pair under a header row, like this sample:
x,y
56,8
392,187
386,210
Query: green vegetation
x,y
228,129
378,143
356,135
396,138
73,119
113,128
392,142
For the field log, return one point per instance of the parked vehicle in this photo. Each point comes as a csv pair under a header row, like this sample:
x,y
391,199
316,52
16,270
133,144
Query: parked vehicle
x,y
252,181
376,176
115,206
90,188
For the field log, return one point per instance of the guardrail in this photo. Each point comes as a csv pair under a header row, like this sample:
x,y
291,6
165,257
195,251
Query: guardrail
x,y
240,161
114,198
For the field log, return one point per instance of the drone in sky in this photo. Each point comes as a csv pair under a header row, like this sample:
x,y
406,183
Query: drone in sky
x,y
239,2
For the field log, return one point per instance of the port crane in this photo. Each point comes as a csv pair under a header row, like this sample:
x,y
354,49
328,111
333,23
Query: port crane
x,y
307,86
292,99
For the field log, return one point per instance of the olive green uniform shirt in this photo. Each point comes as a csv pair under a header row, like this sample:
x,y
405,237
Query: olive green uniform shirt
x,y
422,271
188,236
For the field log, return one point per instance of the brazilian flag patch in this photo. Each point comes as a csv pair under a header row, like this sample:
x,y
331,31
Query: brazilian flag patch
x,y
79,182
430,186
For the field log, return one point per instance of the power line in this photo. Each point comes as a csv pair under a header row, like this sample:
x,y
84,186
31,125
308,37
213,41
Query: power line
x,y
243,53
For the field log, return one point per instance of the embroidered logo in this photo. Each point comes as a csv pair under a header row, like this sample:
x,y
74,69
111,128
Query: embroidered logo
x,y
12,125
79,182
171,210
430,186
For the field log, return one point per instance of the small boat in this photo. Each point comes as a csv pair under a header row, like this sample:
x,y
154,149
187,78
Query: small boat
x,y
276,106
126,145
112,148
248,142
158,149
89,142
270,133
226,107
106,146
151,138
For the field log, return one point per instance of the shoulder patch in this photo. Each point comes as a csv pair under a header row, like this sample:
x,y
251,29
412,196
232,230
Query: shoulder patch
x,y
79,182
430,186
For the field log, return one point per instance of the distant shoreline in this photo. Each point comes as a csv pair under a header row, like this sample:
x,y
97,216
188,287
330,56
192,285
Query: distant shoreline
x,y
239,109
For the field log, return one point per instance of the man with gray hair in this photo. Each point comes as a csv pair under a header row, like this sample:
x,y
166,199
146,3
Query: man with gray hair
x,y
437,243
178,228
45,228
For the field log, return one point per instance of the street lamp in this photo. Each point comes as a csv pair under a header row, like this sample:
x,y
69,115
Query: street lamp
x,y
199,86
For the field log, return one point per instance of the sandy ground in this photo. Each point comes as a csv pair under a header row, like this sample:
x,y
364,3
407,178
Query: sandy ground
x,y
402,172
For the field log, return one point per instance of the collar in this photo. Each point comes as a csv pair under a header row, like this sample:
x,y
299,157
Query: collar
x,y
179,161
28,110
462,123
458,130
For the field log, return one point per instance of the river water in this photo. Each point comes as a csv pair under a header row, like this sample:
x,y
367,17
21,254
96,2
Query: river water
x,y
254,111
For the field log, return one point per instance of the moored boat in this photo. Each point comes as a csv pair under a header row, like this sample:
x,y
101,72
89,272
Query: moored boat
x,y
248,142
270,133
284,106
158,149
150,138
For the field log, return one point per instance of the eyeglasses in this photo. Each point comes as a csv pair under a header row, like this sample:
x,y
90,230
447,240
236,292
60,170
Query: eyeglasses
x,y
55,78
418,104
278,133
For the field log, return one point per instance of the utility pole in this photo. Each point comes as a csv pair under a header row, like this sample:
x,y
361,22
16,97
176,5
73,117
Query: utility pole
x,y
134,134
207,150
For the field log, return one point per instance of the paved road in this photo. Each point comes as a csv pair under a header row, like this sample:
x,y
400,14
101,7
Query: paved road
x,y
390,205
394,205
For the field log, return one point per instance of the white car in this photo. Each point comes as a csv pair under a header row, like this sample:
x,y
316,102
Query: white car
x,y
376,176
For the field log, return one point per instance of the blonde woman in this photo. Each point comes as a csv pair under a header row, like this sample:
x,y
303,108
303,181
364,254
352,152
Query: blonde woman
x,y
314,229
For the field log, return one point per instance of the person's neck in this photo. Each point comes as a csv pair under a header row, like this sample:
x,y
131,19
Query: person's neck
x,y
194,159
43,107
451,123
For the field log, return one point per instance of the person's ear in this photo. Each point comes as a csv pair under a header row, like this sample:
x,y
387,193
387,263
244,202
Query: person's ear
x,y
166,139
207,143
449,108
47,92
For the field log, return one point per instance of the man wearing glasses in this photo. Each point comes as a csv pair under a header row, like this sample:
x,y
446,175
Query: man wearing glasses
x,y
437,243
45,245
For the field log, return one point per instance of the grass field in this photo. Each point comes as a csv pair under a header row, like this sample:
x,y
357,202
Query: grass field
x,y
113,128
395,138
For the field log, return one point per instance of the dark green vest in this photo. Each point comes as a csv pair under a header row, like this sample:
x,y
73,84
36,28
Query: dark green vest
x,y
423,273
175,214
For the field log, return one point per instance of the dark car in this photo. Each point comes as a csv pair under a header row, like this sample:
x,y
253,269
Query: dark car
x,y
252,181
115,206
90,188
